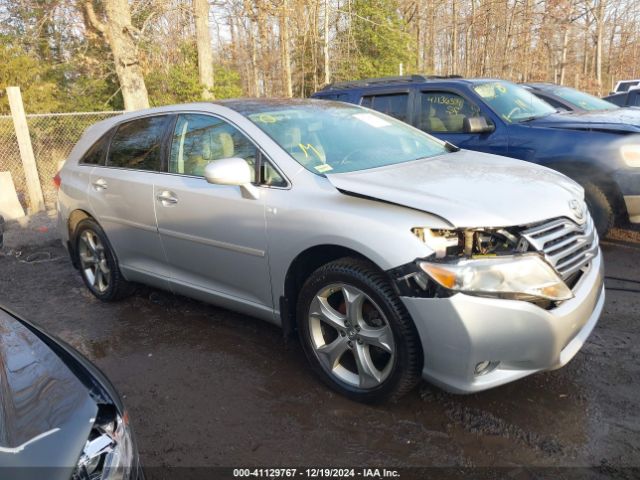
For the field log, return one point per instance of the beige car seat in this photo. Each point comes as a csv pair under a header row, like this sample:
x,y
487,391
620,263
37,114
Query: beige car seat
x,y
431,123
199,157
454,123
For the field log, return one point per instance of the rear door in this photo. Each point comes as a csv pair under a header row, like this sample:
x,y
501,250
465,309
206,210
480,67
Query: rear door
x,y
214,238
441,113
121,196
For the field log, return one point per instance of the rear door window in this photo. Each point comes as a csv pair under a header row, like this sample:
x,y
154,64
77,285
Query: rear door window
x,y
395,104
137,144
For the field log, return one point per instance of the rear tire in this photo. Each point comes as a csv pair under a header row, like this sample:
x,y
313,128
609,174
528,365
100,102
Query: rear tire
x,y
357,334
600,207
97,263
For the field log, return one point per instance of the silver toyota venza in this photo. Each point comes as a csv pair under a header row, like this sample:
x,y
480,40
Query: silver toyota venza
x,y
393,255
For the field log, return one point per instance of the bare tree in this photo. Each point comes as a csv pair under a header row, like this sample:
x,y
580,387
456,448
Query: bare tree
x,y
284,47
325,44
203,42
121,36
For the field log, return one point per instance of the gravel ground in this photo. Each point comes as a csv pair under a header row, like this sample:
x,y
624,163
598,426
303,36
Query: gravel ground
x,y
209,387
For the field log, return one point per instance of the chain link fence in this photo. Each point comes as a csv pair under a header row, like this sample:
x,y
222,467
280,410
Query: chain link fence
x,y
53,135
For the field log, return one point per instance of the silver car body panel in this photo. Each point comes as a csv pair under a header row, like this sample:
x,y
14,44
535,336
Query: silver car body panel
x,y
443,185
220,247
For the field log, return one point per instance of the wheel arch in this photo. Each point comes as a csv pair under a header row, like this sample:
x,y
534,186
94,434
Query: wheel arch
x,y
582,170
302,266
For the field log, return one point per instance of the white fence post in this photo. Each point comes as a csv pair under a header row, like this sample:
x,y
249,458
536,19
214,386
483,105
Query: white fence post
x,y
36,199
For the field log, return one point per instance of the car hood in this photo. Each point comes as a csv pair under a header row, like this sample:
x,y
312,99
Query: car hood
x,y
46,412
468,189
622,120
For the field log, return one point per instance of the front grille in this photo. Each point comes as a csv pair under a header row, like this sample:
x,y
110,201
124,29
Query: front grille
x,y
567,246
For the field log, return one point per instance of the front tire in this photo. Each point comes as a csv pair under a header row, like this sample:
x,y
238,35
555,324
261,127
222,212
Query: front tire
x,y
600,207
97,263
357,334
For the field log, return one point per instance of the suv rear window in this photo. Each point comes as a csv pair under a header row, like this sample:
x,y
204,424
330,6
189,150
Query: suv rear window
x,y
395,105
136,144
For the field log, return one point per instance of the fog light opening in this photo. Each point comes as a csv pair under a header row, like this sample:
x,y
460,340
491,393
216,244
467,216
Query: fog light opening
x,y
484,367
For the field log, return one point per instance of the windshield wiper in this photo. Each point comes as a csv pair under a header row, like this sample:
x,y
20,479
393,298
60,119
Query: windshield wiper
x,y
535,117
532,117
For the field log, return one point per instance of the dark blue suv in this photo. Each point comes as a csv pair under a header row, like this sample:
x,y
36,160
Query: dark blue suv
x,y
600,150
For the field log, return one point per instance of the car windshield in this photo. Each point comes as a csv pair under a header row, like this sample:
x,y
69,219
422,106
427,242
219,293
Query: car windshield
x,y
583,100
513,103
330,137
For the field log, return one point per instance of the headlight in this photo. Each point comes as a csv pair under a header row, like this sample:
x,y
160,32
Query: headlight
x,y
108,453
520,277
631,155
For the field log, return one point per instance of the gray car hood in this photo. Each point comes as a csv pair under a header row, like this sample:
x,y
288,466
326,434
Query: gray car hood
x,y
46,413
468,189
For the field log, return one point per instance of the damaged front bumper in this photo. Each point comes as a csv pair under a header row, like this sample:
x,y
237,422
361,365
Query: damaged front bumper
x,y
509,338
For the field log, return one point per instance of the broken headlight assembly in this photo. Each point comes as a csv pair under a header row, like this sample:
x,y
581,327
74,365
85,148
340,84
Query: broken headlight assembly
x,y
496,263
518,277
108,453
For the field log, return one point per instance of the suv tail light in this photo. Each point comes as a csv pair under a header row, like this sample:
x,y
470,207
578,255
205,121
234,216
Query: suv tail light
x,y
57,181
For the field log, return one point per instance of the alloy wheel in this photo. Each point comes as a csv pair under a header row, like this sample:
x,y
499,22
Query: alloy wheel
x,y
93,261
350,336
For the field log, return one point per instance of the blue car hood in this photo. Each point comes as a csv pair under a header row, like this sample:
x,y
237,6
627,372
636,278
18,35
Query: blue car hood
x,y
623,120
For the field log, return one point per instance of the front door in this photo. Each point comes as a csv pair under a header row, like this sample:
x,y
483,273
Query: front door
x,y
214,238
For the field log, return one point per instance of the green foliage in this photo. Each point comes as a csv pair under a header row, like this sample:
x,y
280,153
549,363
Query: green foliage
x,y
379,41
179,82
227,83
36,80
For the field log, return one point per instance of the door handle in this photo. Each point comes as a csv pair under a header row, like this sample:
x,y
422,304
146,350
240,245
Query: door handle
x,y
167,198
100,184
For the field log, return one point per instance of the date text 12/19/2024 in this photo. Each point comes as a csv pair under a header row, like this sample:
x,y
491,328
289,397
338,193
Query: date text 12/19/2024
x,y
336,473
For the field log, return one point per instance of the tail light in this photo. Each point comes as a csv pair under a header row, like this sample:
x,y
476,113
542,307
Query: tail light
x,y
57,181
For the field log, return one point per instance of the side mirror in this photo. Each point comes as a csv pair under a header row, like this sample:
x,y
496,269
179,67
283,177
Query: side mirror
x,y
232,171
477,125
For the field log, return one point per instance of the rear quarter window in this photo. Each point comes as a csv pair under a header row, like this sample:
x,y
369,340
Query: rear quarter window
x,y
137,143
97,153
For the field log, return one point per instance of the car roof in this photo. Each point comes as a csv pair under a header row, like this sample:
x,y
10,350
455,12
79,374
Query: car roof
x,y
406,80
249,106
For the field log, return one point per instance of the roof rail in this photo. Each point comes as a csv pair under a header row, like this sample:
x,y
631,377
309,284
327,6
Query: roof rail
x,y
387,81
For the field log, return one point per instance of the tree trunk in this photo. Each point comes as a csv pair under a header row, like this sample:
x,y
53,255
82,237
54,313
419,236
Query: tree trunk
x,y
203,42
284,48
119,33
325,44
454,39
599,38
